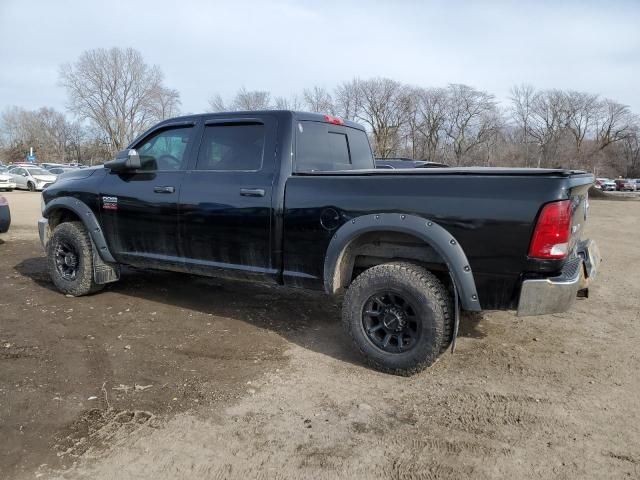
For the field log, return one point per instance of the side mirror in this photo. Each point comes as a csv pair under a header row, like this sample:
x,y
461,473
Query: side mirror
x,y
124,161
25,174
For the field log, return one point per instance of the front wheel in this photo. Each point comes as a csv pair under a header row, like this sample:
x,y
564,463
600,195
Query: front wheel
x,y
70,260
399,315
31,186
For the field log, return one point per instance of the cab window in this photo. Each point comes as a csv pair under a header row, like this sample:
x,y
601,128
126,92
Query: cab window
x,y
165,150
325,147
236,147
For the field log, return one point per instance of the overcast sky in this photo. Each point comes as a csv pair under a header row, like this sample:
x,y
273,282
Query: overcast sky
x,y
207,47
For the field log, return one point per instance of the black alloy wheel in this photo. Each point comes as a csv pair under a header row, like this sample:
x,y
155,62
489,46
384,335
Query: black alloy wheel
x,y
67,260
390,322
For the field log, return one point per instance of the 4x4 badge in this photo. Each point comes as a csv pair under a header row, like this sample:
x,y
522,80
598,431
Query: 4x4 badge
x,y
110,203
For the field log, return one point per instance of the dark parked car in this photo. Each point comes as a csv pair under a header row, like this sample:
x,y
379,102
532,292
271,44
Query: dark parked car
x,y
294,199
5,215
394,163
60,170
49,166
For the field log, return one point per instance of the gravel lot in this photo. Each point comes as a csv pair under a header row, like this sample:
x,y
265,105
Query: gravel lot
x,y
170,376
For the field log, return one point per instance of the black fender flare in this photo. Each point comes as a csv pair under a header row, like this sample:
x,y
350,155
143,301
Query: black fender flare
x,y
87,217
427,230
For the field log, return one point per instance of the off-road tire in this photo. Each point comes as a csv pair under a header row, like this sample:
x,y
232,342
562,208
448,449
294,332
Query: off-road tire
x,y
433,306
75,235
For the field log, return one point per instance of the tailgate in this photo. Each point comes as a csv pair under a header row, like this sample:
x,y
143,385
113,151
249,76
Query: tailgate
x,y
578,188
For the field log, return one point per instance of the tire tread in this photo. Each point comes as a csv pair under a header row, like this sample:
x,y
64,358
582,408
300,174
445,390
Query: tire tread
x,y
417,277
86,284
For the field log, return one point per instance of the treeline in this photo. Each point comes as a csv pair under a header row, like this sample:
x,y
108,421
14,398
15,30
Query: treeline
x,y
52,135
113,96
463,126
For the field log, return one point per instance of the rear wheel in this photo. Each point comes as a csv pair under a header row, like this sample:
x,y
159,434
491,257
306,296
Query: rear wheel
x,y
70,260
399,316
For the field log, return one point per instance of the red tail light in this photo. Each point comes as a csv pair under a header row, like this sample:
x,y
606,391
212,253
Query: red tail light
x,y
553,230
334,120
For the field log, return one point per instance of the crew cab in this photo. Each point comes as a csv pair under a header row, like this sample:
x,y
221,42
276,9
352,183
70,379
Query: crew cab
x,y
294,199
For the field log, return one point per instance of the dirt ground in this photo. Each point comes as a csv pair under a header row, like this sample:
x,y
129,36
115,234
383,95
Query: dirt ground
x,y
168,376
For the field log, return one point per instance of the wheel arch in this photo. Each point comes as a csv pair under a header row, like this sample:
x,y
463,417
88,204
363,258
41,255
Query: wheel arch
x,y
64,209
339,258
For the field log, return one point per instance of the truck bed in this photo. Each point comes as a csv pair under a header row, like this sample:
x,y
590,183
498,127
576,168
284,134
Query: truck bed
x,y
490,211
480,171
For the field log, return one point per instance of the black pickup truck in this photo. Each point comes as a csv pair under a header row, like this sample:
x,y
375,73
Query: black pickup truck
x,y
294,199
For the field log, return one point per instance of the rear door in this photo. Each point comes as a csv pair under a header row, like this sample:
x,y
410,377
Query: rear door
x,y
225,201
140,208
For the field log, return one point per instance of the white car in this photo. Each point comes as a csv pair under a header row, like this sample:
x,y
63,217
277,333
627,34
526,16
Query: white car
x,y
7,182
32,178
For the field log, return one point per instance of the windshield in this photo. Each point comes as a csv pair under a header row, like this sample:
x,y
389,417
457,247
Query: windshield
x,y
37,171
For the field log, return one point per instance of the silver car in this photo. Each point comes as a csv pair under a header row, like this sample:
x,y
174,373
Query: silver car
x,y
6,181
32,178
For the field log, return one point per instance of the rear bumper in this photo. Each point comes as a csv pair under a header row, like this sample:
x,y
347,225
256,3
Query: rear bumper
x,y
541,296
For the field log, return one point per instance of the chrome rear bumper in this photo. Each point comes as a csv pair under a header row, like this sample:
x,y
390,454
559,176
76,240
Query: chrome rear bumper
x,y
541,296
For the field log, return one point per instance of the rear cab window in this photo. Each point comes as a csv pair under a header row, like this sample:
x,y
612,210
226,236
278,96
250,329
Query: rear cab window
x,y
328,147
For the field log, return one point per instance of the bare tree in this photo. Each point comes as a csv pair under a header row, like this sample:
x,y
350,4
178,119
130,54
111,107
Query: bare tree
x,y
548,119
613,122
383,108
522,98
433,108
317,99
470,119
244,100
216,104
251,100
631,150
347,99
581,110
118,92
413,139
291,103
167,103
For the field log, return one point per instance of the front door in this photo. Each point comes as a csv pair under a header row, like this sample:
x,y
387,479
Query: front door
x,y
20,177
225,201
140,208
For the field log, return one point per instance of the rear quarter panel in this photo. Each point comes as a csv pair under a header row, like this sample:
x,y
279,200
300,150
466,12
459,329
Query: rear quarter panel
x,y
492,217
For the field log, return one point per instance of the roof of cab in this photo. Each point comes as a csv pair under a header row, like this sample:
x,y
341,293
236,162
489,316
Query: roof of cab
x,y
303,116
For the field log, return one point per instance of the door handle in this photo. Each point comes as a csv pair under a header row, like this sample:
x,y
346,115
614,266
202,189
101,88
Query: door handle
x,y
164,189
252,192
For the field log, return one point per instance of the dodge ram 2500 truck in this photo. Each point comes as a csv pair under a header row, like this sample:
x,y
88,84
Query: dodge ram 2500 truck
x,y
294,199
